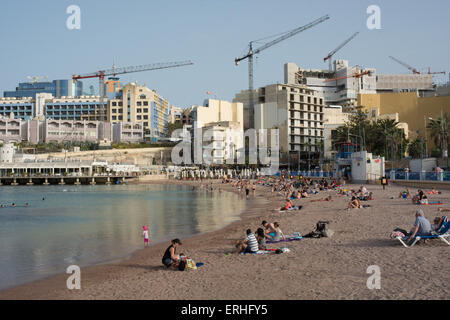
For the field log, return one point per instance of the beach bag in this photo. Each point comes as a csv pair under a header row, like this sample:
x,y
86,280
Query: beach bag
x,y
187,264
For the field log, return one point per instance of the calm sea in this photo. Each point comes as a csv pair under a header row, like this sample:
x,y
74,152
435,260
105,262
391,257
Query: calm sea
x,y
86,225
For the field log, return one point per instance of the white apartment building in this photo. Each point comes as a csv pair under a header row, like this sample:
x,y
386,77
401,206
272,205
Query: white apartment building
x,y
297,112
222,141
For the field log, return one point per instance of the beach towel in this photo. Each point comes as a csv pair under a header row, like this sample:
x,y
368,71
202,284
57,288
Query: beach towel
x,y
287,239
432,204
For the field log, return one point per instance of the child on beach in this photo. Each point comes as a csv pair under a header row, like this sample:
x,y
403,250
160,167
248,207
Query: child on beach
x,y
145,235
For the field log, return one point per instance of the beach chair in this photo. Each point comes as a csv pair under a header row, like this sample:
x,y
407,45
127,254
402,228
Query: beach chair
x,y
442,233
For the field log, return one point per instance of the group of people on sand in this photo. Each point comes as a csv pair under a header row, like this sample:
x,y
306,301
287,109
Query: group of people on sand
x,y
255,242
357,196
420,197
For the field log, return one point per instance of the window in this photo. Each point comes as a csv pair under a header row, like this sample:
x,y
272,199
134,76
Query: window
x,y
138,110
145,124
145,103
114,110
120,118
114,104
145,117
145,110
138,103
138,117
114,117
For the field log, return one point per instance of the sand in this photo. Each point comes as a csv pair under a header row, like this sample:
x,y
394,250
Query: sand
x,y
325,268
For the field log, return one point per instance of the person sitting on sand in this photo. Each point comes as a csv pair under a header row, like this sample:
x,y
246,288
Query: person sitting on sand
x,y
405,194
329,198
278,235
419,196
261,237
170,258
249,244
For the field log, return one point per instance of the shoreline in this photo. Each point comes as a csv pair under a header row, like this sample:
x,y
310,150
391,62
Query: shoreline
x,y
131,255
326,268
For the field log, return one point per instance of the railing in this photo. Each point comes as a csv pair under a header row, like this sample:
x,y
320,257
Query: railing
x,y
419,176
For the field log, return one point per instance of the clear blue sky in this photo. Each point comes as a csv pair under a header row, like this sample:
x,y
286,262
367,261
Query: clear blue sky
x,y
35,40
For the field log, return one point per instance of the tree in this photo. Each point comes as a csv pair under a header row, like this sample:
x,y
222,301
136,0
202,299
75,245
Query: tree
x,y
439,131
416,147
171,127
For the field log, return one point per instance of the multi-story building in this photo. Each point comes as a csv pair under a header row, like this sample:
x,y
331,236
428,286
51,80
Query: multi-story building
x,y
333,119
67,130
10,130
20,108
222,141
128,132
344,90
57,88
90,108
297,112
139,104
175,114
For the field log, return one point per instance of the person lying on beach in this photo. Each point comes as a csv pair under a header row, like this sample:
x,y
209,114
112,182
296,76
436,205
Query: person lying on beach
x,y
434,191
367,197
329,198
444,209
354,203
170,258
249,244
437,223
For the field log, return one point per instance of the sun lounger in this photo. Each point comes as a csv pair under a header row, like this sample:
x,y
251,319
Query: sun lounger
x,y
442,233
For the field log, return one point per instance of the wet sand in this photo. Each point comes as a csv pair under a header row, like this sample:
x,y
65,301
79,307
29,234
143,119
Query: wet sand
x,y
325,268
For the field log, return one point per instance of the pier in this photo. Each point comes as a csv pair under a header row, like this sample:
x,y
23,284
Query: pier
x,y
63,180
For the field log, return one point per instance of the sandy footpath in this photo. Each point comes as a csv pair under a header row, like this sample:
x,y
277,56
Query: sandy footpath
x,y
326,268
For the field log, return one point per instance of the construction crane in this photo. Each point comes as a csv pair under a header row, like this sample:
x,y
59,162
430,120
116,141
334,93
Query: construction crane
x,y
101,74
442,72
414,70
332,53
252,52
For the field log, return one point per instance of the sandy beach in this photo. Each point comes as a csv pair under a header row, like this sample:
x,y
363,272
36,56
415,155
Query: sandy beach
x,y
325,268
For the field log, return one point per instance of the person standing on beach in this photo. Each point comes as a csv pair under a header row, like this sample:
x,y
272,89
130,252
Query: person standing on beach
x,y
145,235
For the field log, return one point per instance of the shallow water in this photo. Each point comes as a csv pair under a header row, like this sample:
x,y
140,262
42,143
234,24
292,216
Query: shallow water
x,y
86,225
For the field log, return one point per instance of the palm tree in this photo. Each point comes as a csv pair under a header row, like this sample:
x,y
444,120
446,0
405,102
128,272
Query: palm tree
x,y
439,130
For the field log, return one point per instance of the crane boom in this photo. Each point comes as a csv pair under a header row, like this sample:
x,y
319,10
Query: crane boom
x,y
332,53
414,70
131,69
283,37
269,44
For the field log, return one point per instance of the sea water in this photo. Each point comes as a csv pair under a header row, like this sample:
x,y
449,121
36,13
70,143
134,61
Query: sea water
x,y
86,225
